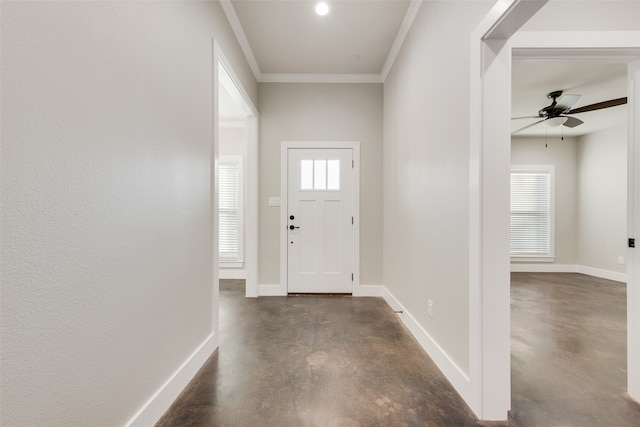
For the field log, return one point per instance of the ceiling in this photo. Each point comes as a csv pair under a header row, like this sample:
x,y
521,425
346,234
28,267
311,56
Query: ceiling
x,y
286,41
594,81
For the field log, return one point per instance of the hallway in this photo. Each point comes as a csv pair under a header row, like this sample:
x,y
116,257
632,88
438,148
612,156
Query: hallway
x,y
315,361
286,361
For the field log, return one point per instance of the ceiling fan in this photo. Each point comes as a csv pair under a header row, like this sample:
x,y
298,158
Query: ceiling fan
x,y
556,114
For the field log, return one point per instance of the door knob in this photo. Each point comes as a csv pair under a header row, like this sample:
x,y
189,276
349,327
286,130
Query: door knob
x,y
291,227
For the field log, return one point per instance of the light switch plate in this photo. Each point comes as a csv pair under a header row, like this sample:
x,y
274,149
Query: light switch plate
x,y
274,201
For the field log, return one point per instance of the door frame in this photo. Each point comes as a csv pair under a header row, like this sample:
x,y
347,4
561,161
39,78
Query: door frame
x,y
491,57
284,206
251,172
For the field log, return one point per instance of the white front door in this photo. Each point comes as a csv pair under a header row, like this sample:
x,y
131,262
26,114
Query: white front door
x,y
320,220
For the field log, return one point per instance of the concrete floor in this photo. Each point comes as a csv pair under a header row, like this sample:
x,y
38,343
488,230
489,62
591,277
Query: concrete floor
x,y
569,352
342,361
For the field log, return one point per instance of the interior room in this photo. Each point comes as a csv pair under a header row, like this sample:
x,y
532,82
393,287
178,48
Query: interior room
x,y
569,297
351,166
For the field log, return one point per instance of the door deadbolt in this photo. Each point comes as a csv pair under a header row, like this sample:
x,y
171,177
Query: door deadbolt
x,y
291,217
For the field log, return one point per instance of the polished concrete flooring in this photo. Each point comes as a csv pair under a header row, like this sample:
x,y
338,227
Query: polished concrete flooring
x,y
569,352
342,361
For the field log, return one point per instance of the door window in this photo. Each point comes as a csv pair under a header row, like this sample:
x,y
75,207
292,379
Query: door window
x,y
320,175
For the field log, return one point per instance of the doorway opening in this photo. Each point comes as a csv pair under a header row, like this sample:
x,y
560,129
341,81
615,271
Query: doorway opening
x,y
237,180
490,154
600,228
568,244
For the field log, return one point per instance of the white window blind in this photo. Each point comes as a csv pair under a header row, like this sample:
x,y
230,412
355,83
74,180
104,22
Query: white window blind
x,y
230,203
531,212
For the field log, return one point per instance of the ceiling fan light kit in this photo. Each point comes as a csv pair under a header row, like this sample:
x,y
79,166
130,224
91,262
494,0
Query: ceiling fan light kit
x,y
556,114
554,122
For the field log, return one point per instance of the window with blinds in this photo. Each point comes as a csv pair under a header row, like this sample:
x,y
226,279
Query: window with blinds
x,y
230,203
532,213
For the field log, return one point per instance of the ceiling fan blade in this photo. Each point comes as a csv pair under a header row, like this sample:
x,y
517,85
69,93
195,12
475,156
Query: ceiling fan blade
x,y
566,102
572,122
599,106
525,117
528,126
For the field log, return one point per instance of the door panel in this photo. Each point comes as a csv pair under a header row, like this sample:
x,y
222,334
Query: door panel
x,y
320,200
332,243
306,218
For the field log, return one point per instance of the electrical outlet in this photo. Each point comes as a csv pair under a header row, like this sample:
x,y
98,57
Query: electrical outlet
x,y
620,260
430,308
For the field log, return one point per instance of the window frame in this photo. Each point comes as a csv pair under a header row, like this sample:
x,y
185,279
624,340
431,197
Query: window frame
x,y
537,169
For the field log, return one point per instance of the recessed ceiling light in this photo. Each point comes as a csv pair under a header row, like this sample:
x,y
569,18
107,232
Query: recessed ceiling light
x,y
322,8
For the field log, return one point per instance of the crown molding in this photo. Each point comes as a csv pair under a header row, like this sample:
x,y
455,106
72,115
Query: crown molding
x,y
228,9
319,78
407,22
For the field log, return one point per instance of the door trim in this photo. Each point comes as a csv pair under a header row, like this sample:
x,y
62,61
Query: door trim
x,y
251,173
490,395
284,207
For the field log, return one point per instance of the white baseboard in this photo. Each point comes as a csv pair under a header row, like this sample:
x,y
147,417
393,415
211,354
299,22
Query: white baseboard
x,y
603,274
569,268
232,273
271,291
368,291
162,399
358,291
456,376
543,268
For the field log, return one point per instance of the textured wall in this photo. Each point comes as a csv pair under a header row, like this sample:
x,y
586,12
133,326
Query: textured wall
x,y
106,211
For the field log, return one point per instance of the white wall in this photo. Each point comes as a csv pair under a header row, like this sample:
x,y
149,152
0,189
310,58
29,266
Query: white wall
x,y
321,112
426,174
602,201
590,203
106,212
561,154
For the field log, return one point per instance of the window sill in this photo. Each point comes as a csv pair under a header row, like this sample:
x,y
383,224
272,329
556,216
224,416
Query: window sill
x,y
224,264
